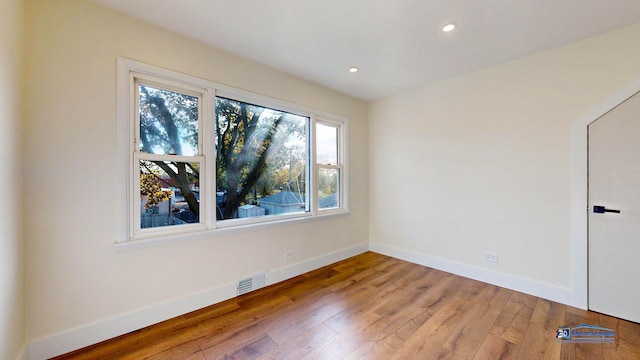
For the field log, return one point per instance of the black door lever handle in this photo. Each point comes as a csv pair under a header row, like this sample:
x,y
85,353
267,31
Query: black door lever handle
x,y
601,210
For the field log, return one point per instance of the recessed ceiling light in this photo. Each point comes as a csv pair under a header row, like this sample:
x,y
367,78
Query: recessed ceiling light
x,y
449,27
354,69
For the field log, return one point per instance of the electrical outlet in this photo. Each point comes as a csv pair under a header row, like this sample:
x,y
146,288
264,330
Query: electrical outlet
x,y
490,257
288,255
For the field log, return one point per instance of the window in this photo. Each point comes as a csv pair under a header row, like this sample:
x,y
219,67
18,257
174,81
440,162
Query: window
x,y
168,157
328,165
261,161
198,156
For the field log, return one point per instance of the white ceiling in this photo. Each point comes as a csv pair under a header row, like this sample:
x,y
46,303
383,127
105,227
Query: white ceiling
x,y
397,44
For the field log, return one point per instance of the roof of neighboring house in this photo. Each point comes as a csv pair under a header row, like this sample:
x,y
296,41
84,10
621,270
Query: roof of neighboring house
x,y
327,202
283,198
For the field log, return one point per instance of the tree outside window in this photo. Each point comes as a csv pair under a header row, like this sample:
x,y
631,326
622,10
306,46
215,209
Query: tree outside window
x,y
261,152
168,128
192,169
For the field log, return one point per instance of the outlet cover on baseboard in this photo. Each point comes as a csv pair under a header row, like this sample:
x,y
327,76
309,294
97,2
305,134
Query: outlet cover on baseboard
x,y
490,257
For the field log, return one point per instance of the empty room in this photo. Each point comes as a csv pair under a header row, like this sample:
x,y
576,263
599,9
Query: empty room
x,y
319,180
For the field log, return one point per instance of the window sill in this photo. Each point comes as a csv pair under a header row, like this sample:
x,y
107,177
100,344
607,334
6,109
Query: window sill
x,y
208,234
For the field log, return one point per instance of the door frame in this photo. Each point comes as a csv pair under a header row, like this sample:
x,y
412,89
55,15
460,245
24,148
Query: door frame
x,y
579,193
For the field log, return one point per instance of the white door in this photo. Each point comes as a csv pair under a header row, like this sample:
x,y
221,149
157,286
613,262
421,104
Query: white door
x,y
614,238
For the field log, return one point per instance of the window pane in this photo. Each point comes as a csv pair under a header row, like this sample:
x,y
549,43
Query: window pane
x,y
168,122
328,188
261,162
326,144
169,193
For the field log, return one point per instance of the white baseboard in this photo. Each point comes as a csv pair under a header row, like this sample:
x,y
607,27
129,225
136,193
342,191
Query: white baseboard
x,y
287,272
524,285
90,334
80,337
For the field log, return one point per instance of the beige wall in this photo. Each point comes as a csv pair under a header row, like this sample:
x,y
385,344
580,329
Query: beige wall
x,y
11,246
76,276
482,162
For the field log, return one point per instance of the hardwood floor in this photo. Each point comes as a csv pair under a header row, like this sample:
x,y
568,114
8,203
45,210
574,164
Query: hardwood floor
x,y
373,307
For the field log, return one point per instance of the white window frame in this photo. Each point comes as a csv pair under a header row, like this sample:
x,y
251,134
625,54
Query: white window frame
x,y
129,73
340,125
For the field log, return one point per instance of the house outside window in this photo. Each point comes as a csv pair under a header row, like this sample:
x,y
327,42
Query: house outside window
x,y
197,156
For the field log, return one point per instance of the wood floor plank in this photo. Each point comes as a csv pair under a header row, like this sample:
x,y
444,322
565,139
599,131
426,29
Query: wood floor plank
x,y
592,351
246,323
468,336
414,294
627,342
372,307
186,351
513,321
495,347
302,344
313,313
539,340
248,350
427,341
